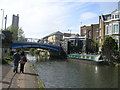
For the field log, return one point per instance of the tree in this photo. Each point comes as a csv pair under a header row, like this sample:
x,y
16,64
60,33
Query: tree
x,y
17,32
109,48
91,46
21,34
36,52
31,51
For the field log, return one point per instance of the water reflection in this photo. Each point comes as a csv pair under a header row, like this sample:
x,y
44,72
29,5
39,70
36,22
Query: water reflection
x,y
96,69
37,58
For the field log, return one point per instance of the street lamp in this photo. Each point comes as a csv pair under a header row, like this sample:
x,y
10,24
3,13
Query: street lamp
x,y
70,31
2,18
80,27
5,21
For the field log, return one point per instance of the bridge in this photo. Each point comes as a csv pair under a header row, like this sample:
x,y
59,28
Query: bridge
x,y
35,43
17,44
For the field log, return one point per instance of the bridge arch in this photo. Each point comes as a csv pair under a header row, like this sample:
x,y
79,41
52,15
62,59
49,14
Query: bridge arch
x,y
55,51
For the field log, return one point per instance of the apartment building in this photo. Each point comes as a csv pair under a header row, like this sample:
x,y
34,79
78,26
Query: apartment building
x,y
54,38
109,25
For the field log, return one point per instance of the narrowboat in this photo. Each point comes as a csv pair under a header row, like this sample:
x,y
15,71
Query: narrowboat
x,y
95,58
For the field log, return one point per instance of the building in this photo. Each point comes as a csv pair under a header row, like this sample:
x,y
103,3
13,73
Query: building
x,y
15,20
95,32
109,25
71,43
90,32
85,31
70,35
74,44
54,38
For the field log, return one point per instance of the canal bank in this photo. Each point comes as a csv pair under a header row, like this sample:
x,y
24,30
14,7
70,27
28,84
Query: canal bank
x,y
29,79
40,83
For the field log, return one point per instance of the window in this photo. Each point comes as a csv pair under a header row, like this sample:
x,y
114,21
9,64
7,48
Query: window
x,y
115,28
116,16
84,31
96,29
110,29
107,30
112,16
109,17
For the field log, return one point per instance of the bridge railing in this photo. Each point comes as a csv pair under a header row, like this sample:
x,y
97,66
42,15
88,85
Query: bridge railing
x,y
28,40
34,40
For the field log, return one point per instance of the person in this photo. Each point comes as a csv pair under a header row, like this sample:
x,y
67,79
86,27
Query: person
x,y
16,59
23,60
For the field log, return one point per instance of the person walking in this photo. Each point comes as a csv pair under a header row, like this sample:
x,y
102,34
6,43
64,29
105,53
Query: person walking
x,y
23,60
16,59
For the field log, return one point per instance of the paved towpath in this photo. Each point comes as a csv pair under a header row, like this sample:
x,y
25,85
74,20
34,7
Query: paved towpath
x,y
28,79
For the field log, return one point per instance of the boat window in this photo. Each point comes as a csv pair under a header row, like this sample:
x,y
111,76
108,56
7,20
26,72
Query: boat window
x,y
101,58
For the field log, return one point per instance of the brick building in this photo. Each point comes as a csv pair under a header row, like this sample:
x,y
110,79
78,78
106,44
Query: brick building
x,y
90,32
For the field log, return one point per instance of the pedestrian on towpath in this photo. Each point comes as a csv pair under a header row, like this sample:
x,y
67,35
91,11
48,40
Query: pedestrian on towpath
x,y
23,60
16,59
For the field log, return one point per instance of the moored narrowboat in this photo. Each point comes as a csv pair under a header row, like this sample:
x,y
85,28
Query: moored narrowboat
x,y
95,58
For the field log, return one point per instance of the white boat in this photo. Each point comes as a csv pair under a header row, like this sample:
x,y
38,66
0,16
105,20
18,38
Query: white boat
x,y
96,58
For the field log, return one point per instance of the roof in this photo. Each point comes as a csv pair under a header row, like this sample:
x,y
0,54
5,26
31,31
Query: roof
x,y
116,11
105,17
55,33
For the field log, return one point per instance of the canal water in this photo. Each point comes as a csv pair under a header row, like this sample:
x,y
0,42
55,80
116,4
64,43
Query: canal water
x,y
75,74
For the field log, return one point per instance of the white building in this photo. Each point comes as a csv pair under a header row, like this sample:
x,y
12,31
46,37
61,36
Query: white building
x,y
110,26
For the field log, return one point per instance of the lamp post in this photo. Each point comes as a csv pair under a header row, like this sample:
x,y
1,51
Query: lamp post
x,y
70,31
2,18
80,27
5,21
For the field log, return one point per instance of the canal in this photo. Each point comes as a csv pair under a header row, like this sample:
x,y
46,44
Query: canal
x,y
75,74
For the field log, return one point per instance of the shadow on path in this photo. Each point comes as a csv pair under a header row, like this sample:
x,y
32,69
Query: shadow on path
x,y
4,82
31,74
9,83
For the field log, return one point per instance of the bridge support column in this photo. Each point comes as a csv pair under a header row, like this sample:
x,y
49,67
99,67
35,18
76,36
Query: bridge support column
x,y
54,54
58,54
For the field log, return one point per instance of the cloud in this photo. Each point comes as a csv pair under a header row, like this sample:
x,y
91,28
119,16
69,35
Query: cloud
x,y
39,18
87,15
36,18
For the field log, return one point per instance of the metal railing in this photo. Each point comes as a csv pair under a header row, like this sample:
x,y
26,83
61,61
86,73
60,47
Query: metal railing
x,y
35,40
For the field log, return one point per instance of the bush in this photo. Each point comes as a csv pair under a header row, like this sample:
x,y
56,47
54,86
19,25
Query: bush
x,y
6,61
32,51
36,52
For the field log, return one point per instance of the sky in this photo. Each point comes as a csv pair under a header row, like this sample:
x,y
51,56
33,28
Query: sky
x,y
39,18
